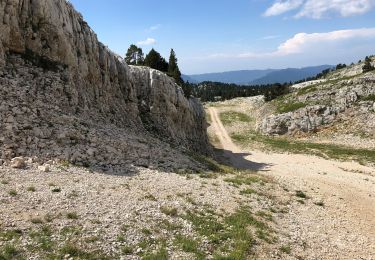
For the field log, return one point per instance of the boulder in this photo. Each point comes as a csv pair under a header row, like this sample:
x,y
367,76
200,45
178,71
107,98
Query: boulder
x,y
18,163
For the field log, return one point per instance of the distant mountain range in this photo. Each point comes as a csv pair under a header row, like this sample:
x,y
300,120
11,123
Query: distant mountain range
x,y
258,77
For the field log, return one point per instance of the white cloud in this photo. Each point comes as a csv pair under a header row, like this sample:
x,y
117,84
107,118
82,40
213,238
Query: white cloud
x,y
318,9
148,41
305,43
154,28
280,7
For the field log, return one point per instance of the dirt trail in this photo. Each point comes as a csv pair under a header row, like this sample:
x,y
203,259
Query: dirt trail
x,y
345,227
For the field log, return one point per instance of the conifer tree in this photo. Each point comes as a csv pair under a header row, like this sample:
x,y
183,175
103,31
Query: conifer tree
x,y
155,61
134,55
368,66
173,69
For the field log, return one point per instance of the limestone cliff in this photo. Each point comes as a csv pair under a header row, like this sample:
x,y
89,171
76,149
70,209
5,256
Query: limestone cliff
x,y
58,83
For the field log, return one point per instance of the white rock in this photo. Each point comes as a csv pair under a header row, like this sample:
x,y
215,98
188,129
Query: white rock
x,y
18,163
44,168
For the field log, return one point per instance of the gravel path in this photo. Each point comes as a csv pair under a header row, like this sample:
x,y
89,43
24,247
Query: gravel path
x,y
344,226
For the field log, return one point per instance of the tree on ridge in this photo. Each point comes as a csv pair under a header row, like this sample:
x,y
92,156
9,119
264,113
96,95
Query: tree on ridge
x,y
134,56
173,69
155,61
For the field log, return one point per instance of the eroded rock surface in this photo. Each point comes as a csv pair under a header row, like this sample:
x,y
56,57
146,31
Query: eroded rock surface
x,y
326,104
65,95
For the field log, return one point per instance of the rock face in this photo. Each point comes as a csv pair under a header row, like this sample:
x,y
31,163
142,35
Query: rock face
x,y
64,94
325,104
164,109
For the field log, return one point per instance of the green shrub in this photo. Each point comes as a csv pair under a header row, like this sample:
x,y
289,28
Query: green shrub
x,y
289,107
369,98
231,117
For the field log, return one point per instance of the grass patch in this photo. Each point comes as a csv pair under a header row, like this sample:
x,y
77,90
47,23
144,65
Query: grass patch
x,y
36,221
265,215
189,245
169,211
8,235
230,237
369,98
4,182
289,107
72,215
244,179
206,224
150,197
286,249
127,250
10,252
77,253
161,254
13,193
230,117
49,218
165,224
323,150
301,194
121,238
43,239
248,192
125,228
306,90
31,189
146,232
71,231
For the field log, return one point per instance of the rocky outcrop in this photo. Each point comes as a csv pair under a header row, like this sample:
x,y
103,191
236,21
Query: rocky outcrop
x,y
308,119
164,109
64,94
331,102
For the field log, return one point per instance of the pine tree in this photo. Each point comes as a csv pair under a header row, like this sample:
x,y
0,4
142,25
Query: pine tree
x,y
155,61
173,69
368,66
134,55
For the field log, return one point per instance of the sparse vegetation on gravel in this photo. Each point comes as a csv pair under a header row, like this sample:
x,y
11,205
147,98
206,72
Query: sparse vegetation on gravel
x,y
207,214
230,117
324,150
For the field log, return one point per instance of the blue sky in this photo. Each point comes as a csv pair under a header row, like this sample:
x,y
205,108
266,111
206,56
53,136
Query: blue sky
x,y
223,35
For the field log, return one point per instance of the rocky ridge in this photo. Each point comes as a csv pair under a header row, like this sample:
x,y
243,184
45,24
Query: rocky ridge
x,y
322,104
65,95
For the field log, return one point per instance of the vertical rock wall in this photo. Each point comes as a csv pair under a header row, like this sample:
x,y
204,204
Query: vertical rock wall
x,y
53,62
